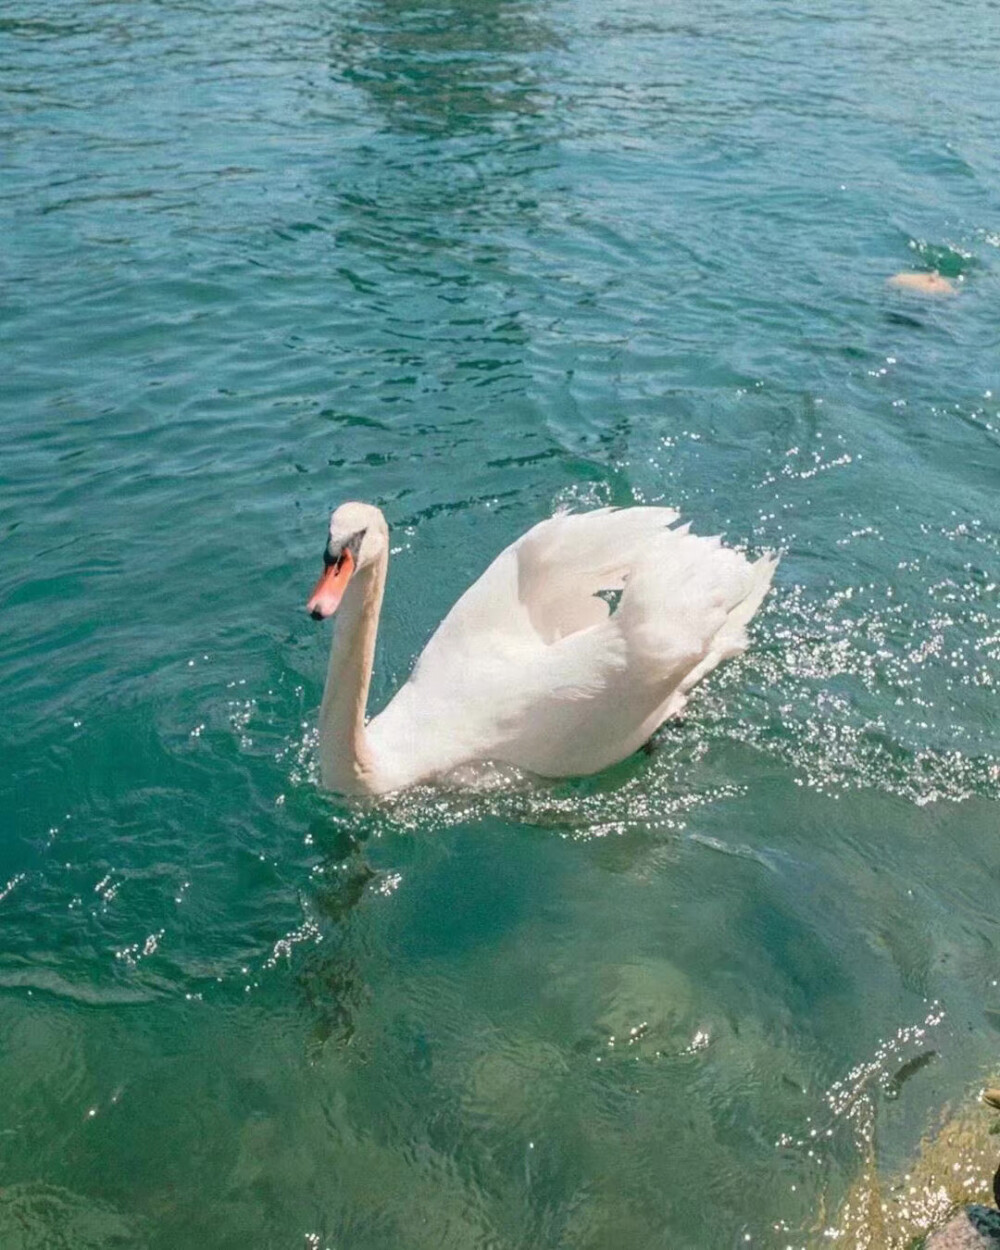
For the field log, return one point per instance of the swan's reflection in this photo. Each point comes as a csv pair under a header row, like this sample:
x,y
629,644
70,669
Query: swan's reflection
x,y
330,977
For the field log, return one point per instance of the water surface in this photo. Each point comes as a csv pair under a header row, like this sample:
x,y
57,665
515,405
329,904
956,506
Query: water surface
x,y
471,261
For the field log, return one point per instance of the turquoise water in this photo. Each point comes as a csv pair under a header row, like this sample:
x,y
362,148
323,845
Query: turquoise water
x,y
472,260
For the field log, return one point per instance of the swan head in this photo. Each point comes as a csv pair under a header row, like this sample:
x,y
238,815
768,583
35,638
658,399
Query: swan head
x,y
358,539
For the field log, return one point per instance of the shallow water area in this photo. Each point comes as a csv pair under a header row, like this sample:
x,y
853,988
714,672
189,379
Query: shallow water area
x,y
473,263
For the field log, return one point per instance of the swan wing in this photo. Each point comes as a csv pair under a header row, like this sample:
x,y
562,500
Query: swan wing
x,y
545,585
564,563
604,690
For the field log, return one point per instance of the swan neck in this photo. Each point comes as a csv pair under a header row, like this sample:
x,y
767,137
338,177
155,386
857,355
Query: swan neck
x,y
345,758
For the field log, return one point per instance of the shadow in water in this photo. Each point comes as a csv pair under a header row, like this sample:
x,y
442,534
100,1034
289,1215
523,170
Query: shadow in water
x,y
446,70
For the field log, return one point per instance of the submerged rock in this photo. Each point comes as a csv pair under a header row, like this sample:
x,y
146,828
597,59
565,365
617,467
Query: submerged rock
x,y
939,1202
975,1228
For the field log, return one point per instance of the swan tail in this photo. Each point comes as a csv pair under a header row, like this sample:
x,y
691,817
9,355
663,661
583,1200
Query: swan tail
x,y
731,639
687,603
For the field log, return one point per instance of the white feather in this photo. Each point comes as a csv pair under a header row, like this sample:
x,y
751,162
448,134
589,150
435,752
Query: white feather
x,y
531,668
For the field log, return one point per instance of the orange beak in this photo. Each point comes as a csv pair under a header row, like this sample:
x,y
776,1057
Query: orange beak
x,y
329,590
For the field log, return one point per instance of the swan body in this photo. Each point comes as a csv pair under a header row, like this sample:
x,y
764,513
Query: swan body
x,y
532,667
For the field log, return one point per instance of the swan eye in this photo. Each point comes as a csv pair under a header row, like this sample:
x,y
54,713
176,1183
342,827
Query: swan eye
x,y
352,548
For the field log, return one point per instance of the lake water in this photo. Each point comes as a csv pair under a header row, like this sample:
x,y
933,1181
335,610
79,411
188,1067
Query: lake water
x,y
472,260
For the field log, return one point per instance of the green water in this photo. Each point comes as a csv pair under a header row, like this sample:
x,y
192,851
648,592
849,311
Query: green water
x,y
470,261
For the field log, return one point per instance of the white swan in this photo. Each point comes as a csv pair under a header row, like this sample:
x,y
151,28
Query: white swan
x,y
531,667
